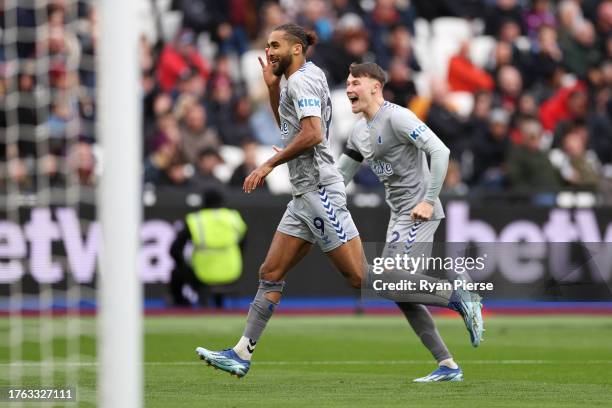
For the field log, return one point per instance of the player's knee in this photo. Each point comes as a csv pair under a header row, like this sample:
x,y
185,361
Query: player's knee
x,y
268,272
355,281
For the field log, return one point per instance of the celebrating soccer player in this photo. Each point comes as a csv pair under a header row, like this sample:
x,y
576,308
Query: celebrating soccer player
x,y
317,212
393,141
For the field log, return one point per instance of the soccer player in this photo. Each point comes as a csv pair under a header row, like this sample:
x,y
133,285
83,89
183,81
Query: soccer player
x,y
317,212
393,141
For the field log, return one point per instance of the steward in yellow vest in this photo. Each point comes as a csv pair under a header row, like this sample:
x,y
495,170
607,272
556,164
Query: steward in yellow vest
x,y
216,259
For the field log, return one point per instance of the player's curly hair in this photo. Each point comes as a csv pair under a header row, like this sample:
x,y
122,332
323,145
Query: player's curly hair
x,y
297,34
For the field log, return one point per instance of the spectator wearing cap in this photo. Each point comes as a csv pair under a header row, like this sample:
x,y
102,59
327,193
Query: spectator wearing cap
x,y
490,148
178,59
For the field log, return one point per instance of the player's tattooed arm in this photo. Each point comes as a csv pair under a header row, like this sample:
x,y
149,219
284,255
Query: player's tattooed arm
x,y
273,83
310,135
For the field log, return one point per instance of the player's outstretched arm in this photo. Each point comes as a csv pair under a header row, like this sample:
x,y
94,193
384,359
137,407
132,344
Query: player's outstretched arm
x,y
273,83
310,135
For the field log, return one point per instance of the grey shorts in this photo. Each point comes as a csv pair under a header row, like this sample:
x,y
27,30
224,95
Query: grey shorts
x,y
320,216
406,236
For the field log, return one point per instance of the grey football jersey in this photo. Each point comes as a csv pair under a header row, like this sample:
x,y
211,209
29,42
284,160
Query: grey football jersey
x,y
391,145
307,94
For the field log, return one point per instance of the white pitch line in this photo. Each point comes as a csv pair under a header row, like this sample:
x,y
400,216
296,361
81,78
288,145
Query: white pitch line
x,y
328,362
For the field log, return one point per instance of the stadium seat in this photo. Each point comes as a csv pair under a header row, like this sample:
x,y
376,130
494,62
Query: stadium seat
x,y
442,49
481,49
251,72
233,157
278,180
422,52
343,117
463,102
422,30
454,28
422,82
523,44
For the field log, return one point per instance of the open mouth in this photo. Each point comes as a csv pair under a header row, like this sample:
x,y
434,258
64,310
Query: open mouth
x,y
274,60
353,99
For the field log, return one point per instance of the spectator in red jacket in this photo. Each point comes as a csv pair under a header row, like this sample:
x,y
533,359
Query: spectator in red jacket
x,y
567,104
179,59
463,75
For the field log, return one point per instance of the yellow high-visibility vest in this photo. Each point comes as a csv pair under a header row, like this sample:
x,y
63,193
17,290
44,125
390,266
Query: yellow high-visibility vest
x,y
216,233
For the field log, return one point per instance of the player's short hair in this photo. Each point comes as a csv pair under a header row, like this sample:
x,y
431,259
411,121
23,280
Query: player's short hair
x,y
368,70
297,34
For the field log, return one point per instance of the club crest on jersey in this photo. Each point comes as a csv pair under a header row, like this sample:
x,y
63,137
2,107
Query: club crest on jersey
x,y
418,132
309,102
284,130
381,168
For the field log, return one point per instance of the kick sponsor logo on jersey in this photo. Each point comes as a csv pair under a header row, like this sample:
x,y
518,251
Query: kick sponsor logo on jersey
x,y
418,132
309,102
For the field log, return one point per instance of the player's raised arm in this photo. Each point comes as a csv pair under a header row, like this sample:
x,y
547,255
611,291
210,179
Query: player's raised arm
x,y
272,82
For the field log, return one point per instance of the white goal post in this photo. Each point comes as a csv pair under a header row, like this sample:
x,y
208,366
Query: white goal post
x,y
119,205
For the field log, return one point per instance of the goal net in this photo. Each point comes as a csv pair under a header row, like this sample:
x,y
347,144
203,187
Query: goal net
x,y
69,199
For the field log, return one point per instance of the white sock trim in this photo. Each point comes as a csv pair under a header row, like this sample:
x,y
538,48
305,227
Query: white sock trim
x,y
245,347
449,362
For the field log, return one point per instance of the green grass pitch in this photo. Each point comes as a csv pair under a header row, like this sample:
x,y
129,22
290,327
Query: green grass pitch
x,y
358,361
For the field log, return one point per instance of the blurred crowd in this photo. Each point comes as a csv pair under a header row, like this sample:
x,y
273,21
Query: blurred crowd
x,y
47,94
519,90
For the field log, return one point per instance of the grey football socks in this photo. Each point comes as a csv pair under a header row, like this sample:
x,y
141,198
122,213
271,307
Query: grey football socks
x,y
424,326
260,312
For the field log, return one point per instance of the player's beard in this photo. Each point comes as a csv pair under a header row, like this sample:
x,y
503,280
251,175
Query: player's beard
x,y
283,64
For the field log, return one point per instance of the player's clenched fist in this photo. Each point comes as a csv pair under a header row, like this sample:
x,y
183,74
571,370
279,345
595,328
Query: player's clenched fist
x,y
422,212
